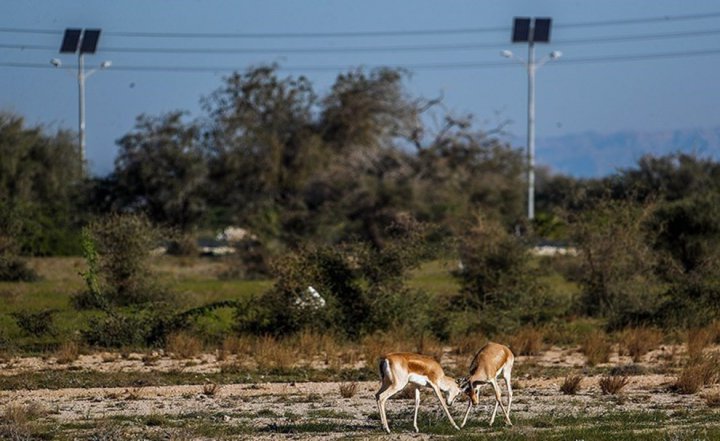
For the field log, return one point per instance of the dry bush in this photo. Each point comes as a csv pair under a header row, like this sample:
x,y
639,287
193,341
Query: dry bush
x,y
697,374
571,384
527,341
183,346
272,353
698,339
467,345
637,342
18,414
713,399
378,344
613,384
348,390
429,345
311,344
109,357
211,389
67,352
596,348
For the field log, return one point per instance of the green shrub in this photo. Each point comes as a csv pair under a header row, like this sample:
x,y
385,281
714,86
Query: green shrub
x,y
36,323
123,244
619,281
498,283
361,289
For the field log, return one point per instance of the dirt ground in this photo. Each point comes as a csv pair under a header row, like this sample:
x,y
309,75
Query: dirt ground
x,y
289,410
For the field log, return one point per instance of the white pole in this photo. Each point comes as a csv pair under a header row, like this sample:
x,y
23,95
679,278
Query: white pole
x,y
531,131
81,98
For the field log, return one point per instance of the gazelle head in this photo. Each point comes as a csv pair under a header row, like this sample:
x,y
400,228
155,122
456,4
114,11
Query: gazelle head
x,y
468,389
451,392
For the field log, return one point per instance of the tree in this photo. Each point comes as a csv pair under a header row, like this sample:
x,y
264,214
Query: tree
x,y
161,170
261,147
40,182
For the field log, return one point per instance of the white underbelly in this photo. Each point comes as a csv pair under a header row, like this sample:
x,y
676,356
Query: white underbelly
x,y
420,380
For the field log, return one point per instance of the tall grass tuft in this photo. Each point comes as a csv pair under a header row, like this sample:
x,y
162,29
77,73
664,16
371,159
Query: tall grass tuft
x,y
637,342
596,348
348,390
698,373
183,346
273,353
571,384
613,384
527,341
67,352
697,340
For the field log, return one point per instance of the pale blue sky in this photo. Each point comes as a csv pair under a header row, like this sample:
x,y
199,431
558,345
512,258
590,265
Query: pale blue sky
x,y
573,94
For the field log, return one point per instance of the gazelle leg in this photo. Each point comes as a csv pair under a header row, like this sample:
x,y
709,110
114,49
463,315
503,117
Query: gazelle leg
x,y
382,396
417,406
467,412
442,403
498,400
506,375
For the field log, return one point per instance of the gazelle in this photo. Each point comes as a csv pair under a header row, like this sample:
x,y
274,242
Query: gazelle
x,y
491,360
400,368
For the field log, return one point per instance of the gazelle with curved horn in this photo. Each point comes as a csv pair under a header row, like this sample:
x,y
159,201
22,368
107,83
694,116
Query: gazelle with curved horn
x,y
491,361
399,369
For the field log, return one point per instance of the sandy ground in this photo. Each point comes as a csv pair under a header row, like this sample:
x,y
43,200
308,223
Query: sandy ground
x,y
263,405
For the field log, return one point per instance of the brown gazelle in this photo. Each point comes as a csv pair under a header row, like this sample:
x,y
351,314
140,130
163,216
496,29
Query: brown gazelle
x,y
400,368
491,361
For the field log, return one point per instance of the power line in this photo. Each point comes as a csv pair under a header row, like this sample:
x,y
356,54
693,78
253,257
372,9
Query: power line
x,y
417,66
381,33
396,48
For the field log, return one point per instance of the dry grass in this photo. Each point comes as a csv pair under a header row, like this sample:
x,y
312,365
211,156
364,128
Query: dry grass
x,y
67,352
637,342
376,345
19,414
348,390
571,384
465,346
698,339
429,345
712,400
596,348
273,353
211,389
527,341
698,373
613,384
182,346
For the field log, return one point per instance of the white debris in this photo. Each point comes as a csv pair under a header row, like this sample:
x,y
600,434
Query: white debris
x,y
310,299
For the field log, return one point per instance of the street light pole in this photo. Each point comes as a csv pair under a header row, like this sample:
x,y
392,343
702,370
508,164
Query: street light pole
x,y
531,131
81,42
531,31
81,106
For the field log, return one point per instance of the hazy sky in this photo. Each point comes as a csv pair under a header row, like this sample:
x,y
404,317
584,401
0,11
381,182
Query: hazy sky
x,y
642,65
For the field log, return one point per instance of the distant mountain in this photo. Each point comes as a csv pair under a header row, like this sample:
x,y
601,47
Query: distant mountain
x,y
592,154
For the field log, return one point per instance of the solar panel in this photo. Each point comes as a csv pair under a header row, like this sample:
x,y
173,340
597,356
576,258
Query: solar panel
x,y
71,38
89,41
541,30
521,30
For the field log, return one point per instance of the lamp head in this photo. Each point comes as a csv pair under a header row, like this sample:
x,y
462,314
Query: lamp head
x,y
506,54
105,64
56,62
555,55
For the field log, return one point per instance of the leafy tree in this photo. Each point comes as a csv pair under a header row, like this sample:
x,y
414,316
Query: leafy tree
x,y
119,254
260,141
160,170
499,288
40,180
619,280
